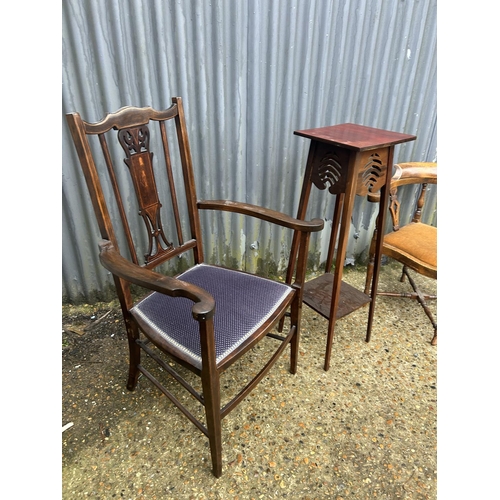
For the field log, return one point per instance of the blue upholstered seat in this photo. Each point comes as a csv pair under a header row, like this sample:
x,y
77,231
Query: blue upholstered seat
x,y
243,302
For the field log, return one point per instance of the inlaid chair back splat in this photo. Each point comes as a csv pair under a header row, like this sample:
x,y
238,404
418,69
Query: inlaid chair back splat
x,y
206,317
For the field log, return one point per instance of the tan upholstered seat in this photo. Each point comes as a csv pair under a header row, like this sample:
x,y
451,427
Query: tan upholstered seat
x,y
414,245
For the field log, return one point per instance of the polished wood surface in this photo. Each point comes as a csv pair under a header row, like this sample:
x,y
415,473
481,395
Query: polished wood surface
x,y
355,137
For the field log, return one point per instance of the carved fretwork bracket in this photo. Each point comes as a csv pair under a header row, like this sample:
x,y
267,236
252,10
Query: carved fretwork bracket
x,y
330,168
135,142
372,171
331,165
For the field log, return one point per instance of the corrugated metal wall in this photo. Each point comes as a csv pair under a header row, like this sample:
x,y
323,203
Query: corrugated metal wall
x,y
250,73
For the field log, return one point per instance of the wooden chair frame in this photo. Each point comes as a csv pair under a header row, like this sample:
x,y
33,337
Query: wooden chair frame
x,y
416,248
132,126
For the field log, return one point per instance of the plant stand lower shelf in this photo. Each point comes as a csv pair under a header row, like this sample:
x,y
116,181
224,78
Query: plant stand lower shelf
x,y
318,296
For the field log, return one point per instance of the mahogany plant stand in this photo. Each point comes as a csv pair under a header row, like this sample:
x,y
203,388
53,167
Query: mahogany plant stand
x,y
349,160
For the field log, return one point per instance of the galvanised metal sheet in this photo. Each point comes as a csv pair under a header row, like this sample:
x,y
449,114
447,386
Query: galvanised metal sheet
x,y
250,73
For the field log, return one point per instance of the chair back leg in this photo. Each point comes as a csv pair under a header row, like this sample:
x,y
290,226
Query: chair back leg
x,y
134,355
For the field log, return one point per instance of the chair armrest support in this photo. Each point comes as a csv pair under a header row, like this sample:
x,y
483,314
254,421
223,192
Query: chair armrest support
x,y
110,258
262,213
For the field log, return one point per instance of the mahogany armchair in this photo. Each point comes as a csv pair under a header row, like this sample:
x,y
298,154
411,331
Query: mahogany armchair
x,y
206,317
413,244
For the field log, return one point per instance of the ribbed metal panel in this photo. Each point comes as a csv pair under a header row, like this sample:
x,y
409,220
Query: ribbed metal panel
x,y
250,73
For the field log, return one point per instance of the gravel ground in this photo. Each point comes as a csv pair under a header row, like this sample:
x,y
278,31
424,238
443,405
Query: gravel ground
x,y
364,429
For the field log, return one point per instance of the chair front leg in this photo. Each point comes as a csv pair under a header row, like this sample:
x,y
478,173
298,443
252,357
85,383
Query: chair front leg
x,y
421,300
404,273
296,306
210,380
434,340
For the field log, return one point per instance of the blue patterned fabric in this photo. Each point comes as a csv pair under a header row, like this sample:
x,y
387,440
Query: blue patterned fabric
x,y
242,303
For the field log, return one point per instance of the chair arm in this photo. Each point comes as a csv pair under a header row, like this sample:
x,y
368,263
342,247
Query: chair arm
x,y
262,213
412,172
110,258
